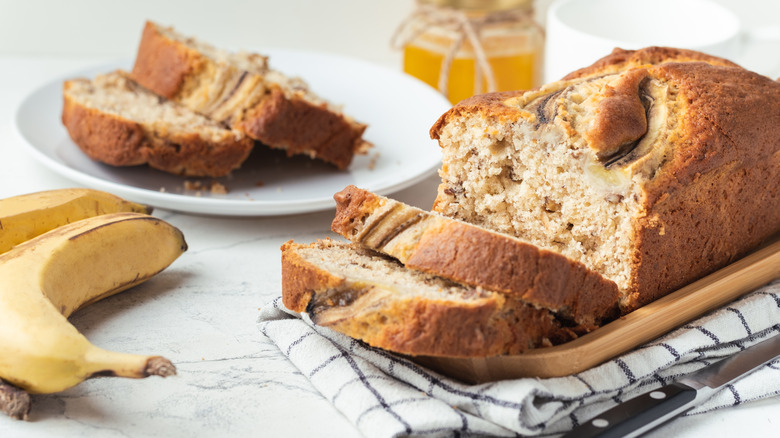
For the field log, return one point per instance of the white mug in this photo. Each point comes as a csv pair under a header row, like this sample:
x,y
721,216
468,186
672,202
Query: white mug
x,y
579,32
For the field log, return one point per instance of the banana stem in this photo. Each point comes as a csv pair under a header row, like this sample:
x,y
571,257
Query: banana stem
x,y
14,402
110,363
160,366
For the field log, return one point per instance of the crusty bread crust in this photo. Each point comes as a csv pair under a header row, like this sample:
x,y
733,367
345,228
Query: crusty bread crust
x,y
715,198
490,103
486,326
618,60
621,60
104,137
163,66
476,256
277,121
276,118
119,141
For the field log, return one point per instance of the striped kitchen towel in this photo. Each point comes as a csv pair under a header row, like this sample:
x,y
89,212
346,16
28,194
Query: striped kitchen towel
x,y
388,396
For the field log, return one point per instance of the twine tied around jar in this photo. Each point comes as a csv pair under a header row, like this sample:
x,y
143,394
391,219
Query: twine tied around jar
x,y
464,27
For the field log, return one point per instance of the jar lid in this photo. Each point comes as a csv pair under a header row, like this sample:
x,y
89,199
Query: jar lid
x,y
481,5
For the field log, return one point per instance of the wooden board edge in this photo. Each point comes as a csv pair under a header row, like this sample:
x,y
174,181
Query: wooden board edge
x,y
620,336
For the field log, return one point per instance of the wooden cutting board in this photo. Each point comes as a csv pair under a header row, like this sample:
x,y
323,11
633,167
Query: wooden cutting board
x,y
637,328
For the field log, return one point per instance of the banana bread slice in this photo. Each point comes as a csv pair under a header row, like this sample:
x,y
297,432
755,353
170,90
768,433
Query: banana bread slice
x,y
652,167
472,255
372,297
116,121
243,92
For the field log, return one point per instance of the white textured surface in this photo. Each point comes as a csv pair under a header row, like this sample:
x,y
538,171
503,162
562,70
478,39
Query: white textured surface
x,y
201,312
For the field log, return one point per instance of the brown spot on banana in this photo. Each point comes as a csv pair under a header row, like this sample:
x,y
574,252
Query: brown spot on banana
x,y
133,218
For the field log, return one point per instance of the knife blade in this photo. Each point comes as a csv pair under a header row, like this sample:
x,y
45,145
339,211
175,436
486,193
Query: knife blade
x,y
653,408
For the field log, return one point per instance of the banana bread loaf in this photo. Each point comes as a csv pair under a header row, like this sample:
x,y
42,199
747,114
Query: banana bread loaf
x,y
472,255
116,121
243,92
652,167
372,297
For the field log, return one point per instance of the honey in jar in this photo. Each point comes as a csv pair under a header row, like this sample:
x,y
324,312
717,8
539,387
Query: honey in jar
x,y
467,47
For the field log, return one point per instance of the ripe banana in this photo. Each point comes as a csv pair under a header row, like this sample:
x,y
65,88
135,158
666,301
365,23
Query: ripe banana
x,y
44,280
26,216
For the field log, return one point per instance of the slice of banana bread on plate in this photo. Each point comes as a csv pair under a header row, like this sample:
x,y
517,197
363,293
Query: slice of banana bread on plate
x,y
117,122
242,91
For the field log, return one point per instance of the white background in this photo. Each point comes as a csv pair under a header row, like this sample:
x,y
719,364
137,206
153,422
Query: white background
x,y
360,28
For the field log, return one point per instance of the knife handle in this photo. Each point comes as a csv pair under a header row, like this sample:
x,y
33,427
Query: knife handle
x,y
639,414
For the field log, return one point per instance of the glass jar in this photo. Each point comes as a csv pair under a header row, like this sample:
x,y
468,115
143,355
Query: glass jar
x,y
467,47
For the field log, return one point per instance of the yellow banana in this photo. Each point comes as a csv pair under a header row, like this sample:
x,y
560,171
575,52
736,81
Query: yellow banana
x,y
47,278
26,216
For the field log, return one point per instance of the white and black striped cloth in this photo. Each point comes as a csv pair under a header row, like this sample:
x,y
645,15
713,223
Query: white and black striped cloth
x,y
388,396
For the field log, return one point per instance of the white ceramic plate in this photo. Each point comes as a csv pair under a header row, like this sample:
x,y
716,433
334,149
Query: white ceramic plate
x,y
398,109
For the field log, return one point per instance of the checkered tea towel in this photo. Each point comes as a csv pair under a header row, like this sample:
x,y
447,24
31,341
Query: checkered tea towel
x,y
387,396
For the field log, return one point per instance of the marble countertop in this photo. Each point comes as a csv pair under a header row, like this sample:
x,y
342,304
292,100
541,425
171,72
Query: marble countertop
x,y
201,313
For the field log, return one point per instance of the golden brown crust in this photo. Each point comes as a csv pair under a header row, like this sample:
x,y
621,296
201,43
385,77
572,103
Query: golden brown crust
x,y
419,325
543,278
431,328
119,141
621,60
93,131
618,60
299,284
352,205
489,102
162,65
713,201
276,121
191,155
475,256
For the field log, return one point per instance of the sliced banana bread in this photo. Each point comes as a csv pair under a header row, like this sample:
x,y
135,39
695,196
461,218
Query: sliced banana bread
x,y
242,91
116,121
652,167
372,297
472,255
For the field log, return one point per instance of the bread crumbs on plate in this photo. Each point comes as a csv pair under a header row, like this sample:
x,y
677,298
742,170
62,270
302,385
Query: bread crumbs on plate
x,y
214,187
372,163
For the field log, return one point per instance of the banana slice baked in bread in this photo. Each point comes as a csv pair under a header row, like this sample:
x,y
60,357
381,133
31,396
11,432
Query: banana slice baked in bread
x,y
116,121
240,90
372,297
475,256
652,167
